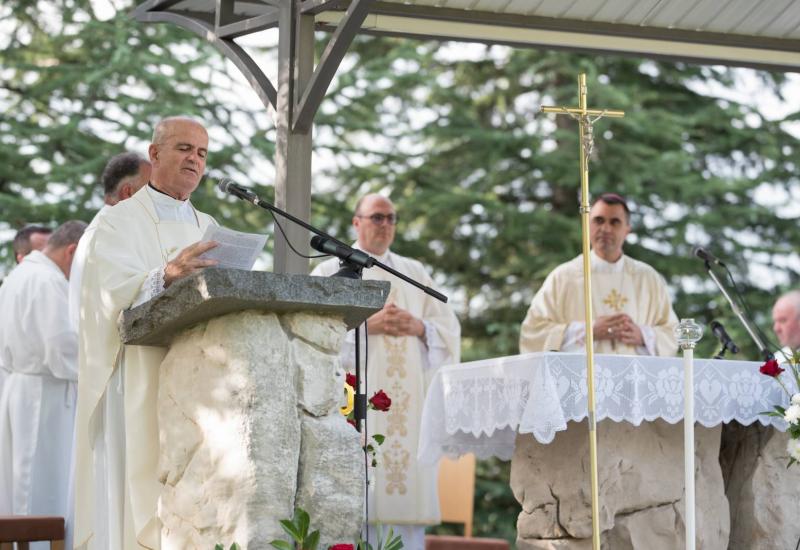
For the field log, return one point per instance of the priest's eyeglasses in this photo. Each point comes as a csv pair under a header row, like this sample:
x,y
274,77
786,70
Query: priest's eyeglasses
x,y
379,219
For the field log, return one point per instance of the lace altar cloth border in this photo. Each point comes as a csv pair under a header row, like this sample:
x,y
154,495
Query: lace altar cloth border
x,y
479,407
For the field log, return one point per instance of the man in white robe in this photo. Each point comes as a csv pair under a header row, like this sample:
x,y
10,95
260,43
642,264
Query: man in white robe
x,y
412,335
29,238
139,247
632,309
39,349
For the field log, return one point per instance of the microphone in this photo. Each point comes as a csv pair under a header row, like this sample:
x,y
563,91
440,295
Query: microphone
x,y
227,186
327,245
719,331
706,256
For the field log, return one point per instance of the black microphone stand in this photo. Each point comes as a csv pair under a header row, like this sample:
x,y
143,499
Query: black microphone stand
x,y
765,353
352,263
355,260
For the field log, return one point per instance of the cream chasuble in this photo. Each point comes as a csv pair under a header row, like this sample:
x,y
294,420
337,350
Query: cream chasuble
x,y
632,287
403,491
130,241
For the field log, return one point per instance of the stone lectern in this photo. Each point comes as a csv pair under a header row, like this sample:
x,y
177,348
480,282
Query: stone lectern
x,y
248,402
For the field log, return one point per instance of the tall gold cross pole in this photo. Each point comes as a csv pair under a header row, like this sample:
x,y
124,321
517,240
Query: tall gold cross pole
x,y
587,117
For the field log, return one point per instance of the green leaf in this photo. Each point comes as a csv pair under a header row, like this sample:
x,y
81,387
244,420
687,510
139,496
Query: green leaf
x,y
312,541
379,438
235,546
218,546
291,530
302,520
281,545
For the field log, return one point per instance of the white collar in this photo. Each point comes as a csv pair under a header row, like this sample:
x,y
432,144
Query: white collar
x,y
162,199
599,265
40,258
169,209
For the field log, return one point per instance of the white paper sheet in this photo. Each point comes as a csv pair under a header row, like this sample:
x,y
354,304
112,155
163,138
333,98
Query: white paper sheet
x,y
236,250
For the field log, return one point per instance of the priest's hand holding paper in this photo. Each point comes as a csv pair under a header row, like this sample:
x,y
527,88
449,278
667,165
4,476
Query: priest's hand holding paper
x,y
395,321
188,261
619,327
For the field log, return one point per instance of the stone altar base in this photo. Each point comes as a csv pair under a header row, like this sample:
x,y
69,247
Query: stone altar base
x,y
242,432
640,471
764,495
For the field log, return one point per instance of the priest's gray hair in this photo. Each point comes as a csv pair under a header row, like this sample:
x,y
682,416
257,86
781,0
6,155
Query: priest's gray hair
x,y
161,131
793,297
66,234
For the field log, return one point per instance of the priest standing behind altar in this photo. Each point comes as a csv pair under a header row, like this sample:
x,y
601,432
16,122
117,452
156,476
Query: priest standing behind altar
x,y
410,337
139,248
39,350
631,306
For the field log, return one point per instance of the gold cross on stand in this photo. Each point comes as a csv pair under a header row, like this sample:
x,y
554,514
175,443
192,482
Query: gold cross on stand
x,y
586,118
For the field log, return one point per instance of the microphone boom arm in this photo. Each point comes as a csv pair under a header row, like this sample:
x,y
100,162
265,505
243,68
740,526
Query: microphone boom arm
x,y
736,310
248,196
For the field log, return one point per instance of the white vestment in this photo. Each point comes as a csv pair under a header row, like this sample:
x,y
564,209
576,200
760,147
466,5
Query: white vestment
x,y
555,319
37,405
403,492
117,485
76,270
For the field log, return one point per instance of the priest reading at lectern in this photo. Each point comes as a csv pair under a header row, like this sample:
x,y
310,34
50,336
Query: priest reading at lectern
x,y
631,306
140,246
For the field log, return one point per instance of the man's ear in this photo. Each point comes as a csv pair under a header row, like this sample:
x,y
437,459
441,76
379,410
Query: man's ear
x,y
152,151
125,192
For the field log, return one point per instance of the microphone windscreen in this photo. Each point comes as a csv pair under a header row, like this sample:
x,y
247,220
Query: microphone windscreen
x,y
223,184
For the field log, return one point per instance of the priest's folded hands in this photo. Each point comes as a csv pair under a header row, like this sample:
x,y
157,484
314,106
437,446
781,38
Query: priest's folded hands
x,y
395,321
188,261
618,328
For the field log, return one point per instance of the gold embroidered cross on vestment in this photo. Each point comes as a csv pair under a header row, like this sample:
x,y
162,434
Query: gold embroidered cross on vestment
x,y
615,301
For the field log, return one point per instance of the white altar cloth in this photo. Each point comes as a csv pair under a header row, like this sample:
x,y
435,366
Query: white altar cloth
x,y
481,406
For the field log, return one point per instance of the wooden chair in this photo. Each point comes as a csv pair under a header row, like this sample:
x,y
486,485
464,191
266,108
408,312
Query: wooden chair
x,y
26,529
457,500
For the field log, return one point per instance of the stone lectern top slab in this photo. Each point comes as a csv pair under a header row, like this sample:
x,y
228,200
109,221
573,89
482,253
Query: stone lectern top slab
x,y
214,292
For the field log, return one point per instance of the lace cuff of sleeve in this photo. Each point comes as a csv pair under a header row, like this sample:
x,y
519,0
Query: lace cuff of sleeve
x,y
153,286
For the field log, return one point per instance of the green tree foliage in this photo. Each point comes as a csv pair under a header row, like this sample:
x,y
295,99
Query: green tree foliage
x,y
487,188
76,90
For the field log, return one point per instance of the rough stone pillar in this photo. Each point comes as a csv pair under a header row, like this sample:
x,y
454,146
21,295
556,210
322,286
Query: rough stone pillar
x,y
640,471
248,403
763,493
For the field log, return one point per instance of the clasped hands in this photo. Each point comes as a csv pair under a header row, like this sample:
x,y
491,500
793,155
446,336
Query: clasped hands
x,y
188,261
395,321
618,328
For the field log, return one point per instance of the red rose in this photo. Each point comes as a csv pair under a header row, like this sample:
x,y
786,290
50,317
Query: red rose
x,y
350,379
352,422
341,547
771,368
380,401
